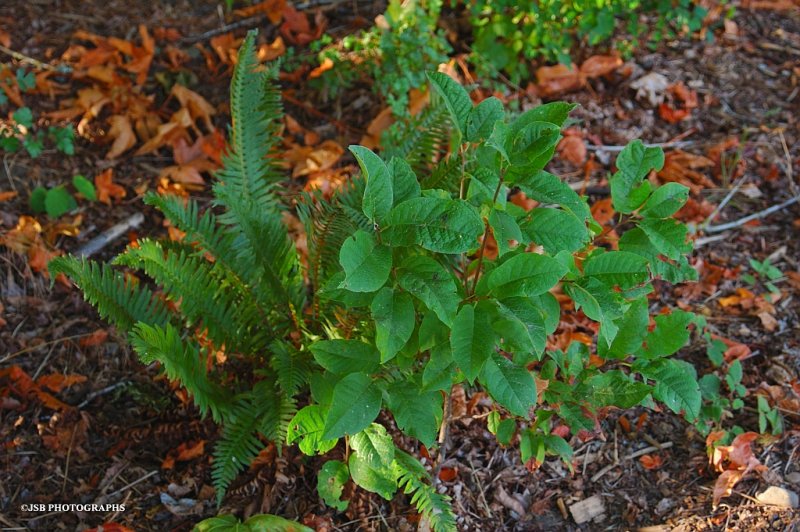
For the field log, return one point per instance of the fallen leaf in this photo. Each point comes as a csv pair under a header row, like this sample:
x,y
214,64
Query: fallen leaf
x,y
768,321
123,135
448,474
198,107
651,462
274,50
572,149
98,337
8,195
106,188
327,64
600,65
672,115
376,127
273,9
558,79
57,382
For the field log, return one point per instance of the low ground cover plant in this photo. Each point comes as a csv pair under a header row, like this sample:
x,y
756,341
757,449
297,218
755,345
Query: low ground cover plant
x,y
398,299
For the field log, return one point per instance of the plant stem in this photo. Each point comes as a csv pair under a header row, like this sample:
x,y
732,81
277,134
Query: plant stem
x,y
485,238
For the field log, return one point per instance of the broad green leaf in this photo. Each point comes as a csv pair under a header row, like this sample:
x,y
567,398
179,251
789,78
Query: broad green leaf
x,y
436,224
676,385
330,483
417,413
59,201
482,118
632,330
374,446
356,403
85,187
378,195
558,446
505,431
667,236
671,333
366,263
575,416
393,312
512,386
405,184
428,281
526,274
617,268
545,187
23,117
471,340
614,388
554,112
306,426
636,241
345,356
635,161
499,139
440,369
521,325
531,149
556,230
376,480
665,201
273,523
599,302
37,198
455,97
505,229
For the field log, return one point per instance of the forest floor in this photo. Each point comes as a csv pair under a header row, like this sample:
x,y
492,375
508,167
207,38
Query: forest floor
x,y
81,420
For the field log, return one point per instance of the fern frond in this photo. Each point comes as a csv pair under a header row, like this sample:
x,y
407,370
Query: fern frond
x,y
183,361
446,174
415,481
248,173
116,298
291,368
421,141
238,445
205,296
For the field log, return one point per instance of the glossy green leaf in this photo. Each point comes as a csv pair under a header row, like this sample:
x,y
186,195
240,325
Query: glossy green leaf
x,y
512,386
394,316
455,98
378,194
671,333
617,268
628,188
665,201
556,230
428,281
676,385
85,187
526,274
376,480
614,388
374,445
356,403
345,356
436,224
405,184
59,201
417,413
331,479
471,341
305,429
669,237
366,263
481,119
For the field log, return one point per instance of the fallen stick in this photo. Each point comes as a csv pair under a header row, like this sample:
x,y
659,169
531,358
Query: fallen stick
x,y
106,237
756,216
637,454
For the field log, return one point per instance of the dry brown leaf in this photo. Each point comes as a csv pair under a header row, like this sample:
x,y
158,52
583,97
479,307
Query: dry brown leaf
x,y
327,64
98,337
572,149
5,38
8,195
600,65
379,124
122,133
198,107
557,79
57,382
106,188
273,9
268,52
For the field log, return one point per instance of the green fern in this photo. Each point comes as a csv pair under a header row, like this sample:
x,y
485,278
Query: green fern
x,y
238,445
416,482
116,298
183,361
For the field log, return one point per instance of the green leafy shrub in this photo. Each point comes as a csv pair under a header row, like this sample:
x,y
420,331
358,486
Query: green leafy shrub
x,y
22,133
397,299
508,32
395,57
58,200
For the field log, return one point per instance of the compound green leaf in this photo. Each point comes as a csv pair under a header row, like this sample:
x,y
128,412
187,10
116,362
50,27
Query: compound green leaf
x,y
331,480
306,427
527,274
635,161
667,236
436,224
428,281
455,97
665,201
394,316
512,386
378,194
481,119
556,230
471,340
366,263
376,480
617,268
374,446
405,183
345,356
356,403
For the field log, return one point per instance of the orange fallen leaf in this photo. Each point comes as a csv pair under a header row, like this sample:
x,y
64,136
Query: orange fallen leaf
x,y
5,38
600,65
273,9
448,474
274,50
379,124
98,337
327,64
106,188
57,382
188,451
198,107
572,149
123,135
651,462
557,79
8,195
672,115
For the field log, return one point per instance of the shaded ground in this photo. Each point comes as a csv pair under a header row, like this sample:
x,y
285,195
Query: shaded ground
x,y
112,447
